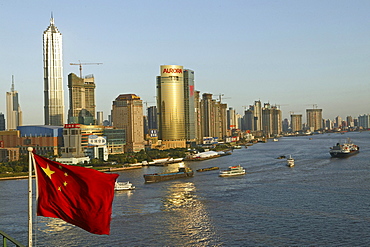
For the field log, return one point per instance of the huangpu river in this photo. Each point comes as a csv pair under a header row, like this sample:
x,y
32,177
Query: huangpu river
x,y
321,201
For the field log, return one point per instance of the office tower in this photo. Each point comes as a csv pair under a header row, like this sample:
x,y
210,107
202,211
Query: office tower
x,y
314,119
296,122
208,114
267,119
99,118
13,109
2,122
222,121
198,117
286,125
257,111
170,103
350,122
328,124
231,119
249,119
338,122
189,104
53,76
81,99
363,121
152,118
127,114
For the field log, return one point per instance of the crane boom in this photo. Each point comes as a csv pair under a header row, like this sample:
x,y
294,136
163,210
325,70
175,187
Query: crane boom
x,y
80,64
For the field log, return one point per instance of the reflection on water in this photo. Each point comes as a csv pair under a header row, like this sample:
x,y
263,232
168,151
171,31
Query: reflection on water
x,y
189,220
52,225
180,195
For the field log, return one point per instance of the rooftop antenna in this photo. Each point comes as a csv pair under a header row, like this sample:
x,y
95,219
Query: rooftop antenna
x,y
51,18
12,83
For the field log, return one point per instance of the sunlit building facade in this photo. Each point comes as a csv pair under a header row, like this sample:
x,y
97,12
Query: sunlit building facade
x,y
127,114
314,119
296,122
171,103
53,76
81,99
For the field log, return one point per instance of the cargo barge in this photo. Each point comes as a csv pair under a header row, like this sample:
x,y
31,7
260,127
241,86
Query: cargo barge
x,y
183,172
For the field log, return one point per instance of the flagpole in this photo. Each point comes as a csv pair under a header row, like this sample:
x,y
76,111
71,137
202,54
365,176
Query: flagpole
x,y
29,149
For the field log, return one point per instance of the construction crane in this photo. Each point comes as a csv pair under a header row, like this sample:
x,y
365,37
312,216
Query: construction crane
x,y
80,64
220,97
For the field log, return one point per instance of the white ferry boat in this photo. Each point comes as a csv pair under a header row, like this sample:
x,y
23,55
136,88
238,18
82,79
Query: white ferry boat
x,y
123,186
232,171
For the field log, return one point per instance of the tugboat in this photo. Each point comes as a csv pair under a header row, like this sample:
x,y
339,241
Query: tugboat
x,y
344,150
290,161
232,171
158,177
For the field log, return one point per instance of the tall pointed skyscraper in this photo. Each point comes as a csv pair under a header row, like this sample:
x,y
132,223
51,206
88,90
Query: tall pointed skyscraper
x,y
53,76
13,109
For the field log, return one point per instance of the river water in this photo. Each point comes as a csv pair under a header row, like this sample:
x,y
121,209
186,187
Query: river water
x,y
321,201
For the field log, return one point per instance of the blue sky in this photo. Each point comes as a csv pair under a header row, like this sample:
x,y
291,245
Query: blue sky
x,y
290,53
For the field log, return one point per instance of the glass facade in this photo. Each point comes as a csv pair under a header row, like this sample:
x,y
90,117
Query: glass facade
x,y
170,103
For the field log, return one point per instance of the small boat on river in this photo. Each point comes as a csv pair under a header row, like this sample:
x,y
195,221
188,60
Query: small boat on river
x,y
290,161
232,171
344,150
123,186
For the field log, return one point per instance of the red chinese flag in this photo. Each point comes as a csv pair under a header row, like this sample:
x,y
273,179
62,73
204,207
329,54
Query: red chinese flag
x,y
80,196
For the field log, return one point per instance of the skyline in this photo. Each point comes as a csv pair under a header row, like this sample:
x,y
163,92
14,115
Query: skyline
x,y
289,53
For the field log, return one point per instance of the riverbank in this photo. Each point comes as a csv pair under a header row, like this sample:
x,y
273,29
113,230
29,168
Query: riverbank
x,y
105,169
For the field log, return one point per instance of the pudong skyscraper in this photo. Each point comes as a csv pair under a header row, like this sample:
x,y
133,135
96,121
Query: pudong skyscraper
x,y
13,109
53,76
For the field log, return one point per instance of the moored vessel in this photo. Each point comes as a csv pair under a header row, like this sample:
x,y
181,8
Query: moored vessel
x,y
232,171
344,150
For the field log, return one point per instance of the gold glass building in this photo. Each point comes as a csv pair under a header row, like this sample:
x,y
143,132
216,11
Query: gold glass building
x,y
170,103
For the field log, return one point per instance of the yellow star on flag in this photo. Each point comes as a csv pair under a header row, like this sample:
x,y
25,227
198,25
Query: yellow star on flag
x,y
48,171
65,183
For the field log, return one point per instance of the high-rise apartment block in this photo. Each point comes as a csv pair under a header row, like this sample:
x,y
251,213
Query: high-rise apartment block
x,y
271,120
53,76
81,99
296,122
13,109
314,119
213,117
127,114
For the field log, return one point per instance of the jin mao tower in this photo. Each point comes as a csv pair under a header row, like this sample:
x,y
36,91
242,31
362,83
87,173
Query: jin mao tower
x,y
53,76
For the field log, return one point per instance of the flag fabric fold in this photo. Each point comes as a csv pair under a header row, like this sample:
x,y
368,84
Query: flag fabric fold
x,y
80,196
